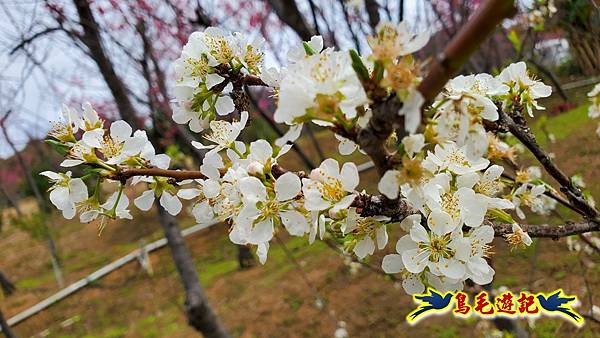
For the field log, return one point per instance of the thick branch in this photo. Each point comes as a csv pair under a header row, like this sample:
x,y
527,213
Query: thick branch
x,y
288,12
549,231
372,8
178,175
477,29
373,205
93,41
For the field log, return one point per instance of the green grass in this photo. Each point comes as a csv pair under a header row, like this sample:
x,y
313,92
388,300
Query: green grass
x,y
39,281
208,272
561,126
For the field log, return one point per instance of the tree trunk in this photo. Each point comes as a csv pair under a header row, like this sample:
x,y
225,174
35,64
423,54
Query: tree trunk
x,y
8,333
11,200
586,50
25,168
7,288
6,285
288,12
245,257
92,40
199,313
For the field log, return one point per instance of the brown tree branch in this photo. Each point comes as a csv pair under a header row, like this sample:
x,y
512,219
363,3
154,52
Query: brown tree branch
x,y
522,132
177,175
372,205
548,231
372,8
288,12
26,41
92,40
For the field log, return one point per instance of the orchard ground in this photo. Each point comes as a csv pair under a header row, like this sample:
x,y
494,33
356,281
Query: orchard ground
x,y
274,300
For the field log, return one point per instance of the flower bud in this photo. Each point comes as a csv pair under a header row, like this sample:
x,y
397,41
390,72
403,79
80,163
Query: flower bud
x,y
255,168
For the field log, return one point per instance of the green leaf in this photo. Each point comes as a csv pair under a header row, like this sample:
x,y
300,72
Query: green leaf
x,y
308,49
501,216
58,146
359,66
513,37
378,71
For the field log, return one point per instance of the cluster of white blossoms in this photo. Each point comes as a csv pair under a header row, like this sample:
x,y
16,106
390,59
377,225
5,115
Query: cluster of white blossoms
x,y
84,141
449,174
594,109
201,92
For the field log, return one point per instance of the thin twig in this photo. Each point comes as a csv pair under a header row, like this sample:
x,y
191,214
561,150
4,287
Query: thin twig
x,y
522,132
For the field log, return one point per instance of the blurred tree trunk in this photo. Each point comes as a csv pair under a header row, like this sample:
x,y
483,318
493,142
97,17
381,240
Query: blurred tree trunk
x,y
200,314
288,12
8,333
245,258
6,285
580,20
11,200
92,40
7,288
586,51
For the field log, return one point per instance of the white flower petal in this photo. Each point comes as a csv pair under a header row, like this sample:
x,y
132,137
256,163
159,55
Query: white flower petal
x,y
415,260
253,189
287,186
93,138
349,176
392,263
120,130
440,222
145,200
224,105
364,247
382,237
171,203
389,184
412,285
213,79
295,223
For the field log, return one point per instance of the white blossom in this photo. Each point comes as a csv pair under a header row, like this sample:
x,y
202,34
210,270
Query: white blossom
x,y
223,134
517,83
368,231
316,86
263,210
518,237
66,192
413,144
455,159
529,195
328,187
594,96
392,41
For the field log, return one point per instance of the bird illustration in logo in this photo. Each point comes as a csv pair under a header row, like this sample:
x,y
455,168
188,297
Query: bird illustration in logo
x,y
430,301
557,303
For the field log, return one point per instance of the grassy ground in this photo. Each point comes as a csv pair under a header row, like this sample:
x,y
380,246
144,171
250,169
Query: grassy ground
x,y
274,300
